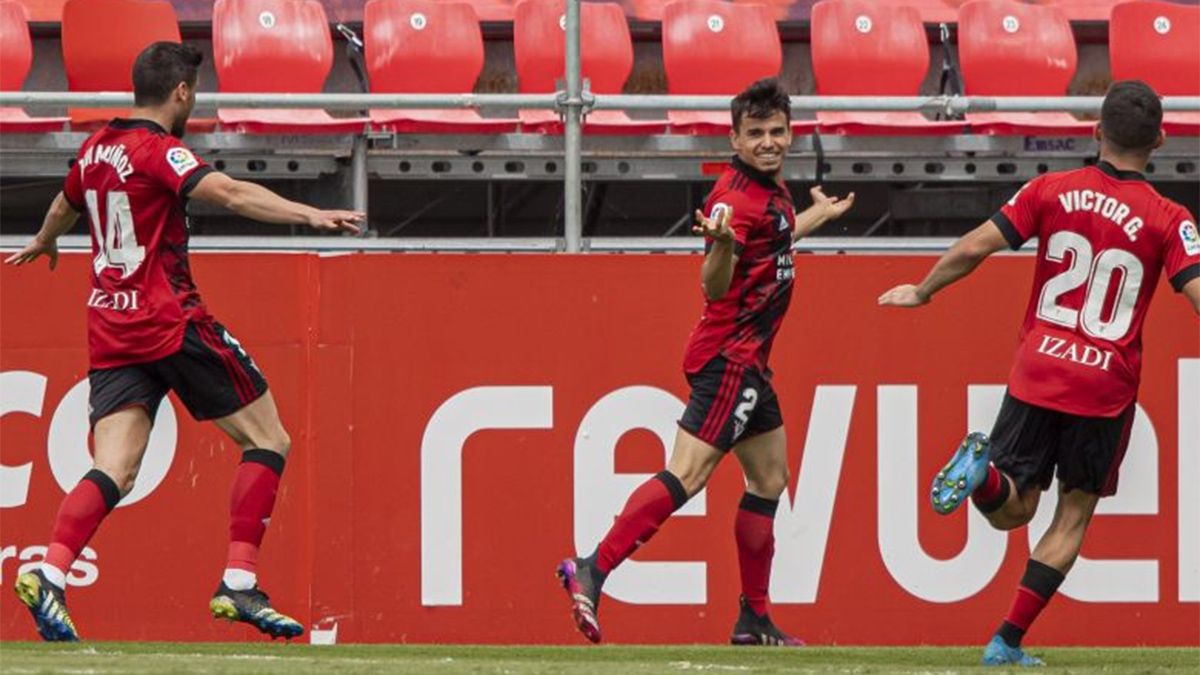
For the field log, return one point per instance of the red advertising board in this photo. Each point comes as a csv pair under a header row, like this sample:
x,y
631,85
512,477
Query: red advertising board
x,y
461,422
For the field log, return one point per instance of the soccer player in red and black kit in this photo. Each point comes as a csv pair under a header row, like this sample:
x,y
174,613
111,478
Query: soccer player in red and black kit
x,y
149,332
1104,236
747,278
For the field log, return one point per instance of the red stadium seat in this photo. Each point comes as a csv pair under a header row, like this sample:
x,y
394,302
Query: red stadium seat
x,y
490,10
275,46
1008,48
16,55
102,60
606,51
426,47
1083,10
717,48
43,10
862,48
1157,42
646,10
931,11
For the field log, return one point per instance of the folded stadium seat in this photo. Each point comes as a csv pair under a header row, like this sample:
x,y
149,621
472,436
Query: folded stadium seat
x,y
606,52
16,55
1008,48
48,11
780,9
930,11
102,60
426,47
1082,10
717,48
1157,42
645,10
490,10
278,46
863,48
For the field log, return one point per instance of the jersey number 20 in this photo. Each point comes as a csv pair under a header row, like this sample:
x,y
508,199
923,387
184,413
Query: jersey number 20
x,y
1098,273
117,240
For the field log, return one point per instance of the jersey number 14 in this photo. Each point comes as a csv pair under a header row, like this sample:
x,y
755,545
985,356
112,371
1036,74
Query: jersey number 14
x,y
117,240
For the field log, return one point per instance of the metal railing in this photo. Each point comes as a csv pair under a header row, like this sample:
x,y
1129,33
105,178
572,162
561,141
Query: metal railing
x,y
81,243
574,103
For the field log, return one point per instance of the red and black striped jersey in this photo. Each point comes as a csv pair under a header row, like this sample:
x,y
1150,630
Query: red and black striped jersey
x,y
130,179
741,325
1104,236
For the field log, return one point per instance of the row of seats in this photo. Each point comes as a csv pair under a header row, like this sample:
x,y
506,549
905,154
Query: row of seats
x,y
859,48
935,11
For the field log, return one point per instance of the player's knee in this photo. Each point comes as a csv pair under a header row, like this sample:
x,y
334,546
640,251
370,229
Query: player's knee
x,y
770,486
279,442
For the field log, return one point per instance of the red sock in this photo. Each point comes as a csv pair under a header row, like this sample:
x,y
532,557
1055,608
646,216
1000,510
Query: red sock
x,y
994,491
1038,585
79,516
250,505
644,512
754,529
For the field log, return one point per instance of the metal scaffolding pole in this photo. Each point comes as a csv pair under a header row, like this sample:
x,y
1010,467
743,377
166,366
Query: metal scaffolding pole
x,y
573,136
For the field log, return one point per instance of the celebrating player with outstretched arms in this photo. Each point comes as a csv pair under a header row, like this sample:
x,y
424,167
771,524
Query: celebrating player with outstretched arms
x,y
149,333
1104,236
749,225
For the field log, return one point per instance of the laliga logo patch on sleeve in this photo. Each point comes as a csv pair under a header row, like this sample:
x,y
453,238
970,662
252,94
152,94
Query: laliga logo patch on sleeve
x,y
1190,237
181,160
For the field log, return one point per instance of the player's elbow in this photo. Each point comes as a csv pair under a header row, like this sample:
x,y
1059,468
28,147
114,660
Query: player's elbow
x,y
714,290
233,196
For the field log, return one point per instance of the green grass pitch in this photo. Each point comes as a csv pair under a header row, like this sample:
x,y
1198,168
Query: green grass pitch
x,y
297,659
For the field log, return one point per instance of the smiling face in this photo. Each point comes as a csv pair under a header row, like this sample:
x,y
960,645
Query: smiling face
x,y
762,142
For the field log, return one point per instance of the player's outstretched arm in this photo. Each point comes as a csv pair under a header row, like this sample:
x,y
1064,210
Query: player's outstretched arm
x,y
962,258
59,220
1192,290
823,210
716,274
258,203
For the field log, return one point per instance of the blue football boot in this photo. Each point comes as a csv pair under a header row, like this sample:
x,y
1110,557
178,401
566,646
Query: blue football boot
x,y
48,606
998,653
965,472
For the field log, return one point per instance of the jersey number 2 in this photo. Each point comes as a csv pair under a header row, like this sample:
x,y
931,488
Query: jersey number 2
x,y
1098,273
117,240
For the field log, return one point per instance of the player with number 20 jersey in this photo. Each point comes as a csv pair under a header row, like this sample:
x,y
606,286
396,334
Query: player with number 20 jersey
x,y
1104,238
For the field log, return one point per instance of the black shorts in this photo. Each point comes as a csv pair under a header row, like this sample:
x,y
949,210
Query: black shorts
x,y
211,374
730,403
1029,441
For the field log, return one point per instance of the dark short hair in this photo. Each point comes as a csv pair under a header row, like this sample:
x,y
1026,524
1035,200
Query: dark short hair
x,y
759,101
160,68
1131,116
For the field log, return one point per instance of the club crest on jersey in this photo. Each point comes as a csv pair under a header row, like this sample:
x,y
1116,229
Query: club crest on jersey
x,y
181,160
1190,237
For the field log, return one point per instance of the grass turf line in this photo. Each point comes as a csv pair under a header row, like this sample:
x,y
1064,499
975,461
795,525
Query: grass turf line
x,y
160,657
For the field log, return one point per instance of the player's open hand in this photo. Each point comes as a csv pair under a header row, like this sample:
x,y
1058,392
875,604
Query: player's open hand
x,y
337,221
907,295
831,208
33,251
716,226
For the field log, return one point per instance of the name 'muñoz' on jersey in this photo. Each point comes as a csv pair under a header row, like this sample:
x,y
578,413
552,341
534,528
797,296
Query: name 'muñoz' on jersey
x,y
1104,236
131,180
741,326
